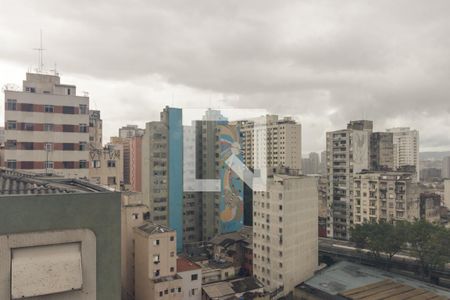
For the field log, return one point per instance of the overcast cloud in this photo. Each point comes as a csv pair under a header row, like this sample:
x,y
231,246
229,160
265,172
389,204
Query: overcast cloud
x,y
324,62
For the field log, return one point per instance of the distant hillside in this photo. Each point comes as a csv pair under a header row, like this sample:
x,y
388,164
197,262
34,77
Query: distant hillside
x,y
433,155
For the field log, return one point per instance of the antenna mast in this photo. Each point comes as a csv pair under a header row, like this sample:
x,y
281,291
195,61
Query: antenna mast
x,y
40,55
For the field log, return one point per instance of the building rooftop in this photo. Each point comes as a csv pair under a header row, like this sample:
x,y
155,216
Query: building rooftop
x,y
388,289
227,289
245,235
184,265
347,279
14,182
151,228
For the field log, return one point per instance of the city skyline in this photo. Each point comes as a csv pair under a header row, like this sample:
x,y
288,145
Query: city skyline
x,y
322,76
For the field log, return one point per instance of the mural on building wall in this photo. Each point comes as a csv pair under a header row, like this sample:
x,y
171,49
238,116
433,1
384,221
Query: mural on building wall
x,y
231,204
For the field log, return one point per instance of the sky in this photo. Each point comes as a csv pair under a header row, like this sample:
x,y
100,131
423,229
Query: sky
x,y
321,62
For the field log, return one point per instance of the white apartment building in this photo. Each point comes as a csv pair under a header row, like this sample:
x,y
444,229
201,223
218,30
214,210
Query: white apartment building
x,y
271,141
47,127
406,147
285,232
385,196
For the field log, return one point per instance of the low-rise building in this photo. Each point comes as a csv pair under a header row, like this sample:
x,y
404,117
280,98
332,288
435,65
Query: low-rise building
x,y
234,289
106,166
191,274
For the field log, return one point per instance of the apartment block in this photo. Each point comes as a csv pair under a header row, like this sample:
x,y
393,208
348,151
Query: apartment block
x,y
406,147
382,151
106,166
430,207
155,263
447,193
130,131
347,154
445,170
311,165
272,142
162,165
285,232
385,196
136,164
47,127
95,129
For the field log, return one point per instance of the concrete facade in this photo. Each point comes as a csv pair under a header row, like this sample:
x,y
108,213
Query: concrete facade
x,y
385,196
191,275
47,127
347,154
285,232
447,193
106,166
88,218
382,151
406,147
445,170
155,263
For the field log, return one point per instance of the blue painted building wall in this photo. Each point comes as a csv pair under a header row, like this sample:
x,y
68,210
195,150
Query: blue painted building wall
x,y
175,161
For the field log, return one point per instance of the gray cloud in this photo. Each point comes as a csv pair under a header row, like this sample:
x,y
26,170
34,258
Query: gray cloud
x,y
323,61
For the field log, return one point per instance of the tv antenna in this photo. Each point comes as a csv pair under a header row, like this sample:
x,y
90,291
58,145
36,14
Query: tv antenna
x,y
40,51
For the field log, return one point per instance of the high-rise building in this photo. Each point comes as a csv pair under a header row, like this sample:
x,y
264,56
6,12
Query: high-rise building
x,y
279,138
445,171
216,141
285,232
347,154
47,127
130,131
406,147
382,151
311,164
430,207
385,196
156,263
447,193
162,170
95,130
136,164
323,163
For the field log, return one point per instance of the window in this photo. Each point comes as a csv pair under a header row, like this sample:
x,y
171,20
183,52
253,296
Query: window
x,y
83,128
68,110
12,125
83,146
28,126
194,277
48,147
27,146
49,108
11,104
68,165
112,180
111,163
68,146
179,290
48,165
84,164
11,144
11,164
172,269
135,216
96,163
83,109
48,127
68,128
68,91
156,242
166,292
156,259
157,272
161,293
172,238
172,290
27,107
172,254
30,89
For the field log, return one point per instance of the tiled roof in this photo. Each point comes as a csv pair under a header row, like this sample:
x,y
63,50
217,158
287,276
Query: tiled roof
x,y
151,228
13,182
184,265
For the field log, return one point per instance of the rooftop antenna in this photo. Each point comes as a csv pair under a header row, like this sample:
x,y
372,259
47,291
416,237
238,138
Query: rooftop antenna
x,y
55,70
40,51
